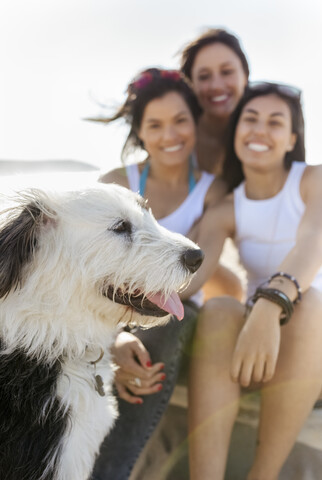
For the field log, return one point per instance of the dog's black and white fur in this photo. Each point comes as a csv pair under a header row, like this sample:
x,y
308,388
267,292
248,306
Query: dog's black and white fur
x,y
74,266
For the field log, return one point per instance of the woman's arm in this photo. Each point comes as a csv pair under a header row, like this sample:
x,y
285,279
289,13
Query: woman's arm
x,y
210,233
215,194
305,258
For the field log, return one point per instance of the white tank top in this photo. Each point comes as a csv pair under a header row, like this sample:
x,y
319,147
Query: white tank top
x,y
266,229
190,210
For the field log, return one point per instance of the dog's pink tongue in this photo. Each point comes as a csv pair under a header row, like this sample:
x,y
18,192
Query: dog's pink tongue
x,y
172,305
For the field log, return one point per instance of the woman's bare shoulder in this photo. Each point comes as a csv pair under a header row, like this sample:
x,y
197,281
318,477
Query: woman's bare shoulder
x,y
117,175
216,193
221,215
311,182
226,205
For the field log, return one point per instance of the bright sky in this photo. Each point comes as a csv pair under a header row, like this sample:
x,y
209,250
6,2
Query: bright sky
x,y
59,58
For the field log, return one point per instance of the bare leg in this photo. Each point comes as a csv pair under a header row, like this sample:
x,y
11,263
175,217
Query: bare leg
x,y
288,399
213,397
223,282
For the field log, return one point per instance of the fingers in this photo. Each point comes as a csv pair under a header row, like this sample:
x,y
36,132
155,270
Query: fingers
x,y
150,382
242,373
125,395
131,355
142,354
269,369
144,390
131,387
252,370
133,369
259,370
155,369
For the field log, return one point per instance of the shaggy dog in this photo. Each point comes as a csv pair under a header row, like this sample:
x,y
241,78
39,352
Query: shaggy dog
x,y
73,267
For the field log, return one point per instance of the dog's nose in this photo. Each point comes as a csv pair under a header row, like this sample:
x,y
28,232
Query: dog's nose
x,y
192,259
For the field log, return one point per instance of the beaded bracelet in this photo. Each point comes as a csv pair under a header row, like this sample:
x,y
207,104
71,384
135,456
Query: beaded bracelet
x,y
276,296
292,279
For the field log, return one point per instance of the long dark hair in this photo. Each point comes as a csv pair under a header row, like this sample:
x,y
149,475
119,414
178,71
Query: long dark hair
x,y
146,86
210,36
232,168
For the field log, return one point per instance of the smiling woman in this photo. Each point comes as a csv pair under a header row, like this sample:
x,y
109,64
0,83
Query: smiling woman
x,y
274,215
218,69
233,172
162,112
265,126
218,79
168,130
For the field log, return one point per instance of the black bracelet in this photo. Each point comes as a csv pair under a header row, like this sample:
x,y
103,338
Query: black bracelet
x,y
292,279
276,296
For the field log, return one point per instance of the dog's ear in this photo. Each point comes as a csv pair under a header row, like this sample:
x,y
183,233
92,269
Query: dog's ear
x,y
18,241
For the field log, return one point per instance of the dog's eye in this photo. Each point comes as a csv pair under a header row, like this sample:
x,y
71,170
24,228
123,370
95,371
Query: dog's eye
x,y
123,227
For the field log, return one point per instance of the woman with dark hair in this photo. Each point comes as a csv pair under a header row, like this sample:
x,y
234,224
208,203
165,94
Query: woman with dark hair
x,y
217,67
232,169
162,112
150,84
274,341
218,70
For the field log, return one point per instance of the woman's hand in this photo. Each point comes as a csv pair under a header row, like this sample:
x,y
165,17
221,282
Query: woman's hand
x,y
135,374
258,344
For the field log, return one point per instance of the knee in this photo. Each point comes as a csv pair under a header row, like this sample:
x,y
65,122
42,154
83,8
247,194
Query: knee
x,y
224,282
222,308
220,313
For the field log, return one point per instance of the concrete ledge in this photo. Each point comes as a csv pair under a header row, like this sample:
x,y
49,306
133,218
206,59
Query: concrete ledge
x,y
310,435
166,454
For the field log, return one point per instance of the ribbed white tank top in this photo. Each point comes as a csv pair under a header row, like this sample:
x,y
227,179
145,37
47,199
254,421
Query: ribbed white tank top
x,y
182,219
190,210
266,229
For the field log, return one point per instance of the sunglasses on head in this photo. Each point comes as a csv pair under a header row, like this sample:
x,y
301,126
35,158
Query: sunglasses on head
x,y
287,90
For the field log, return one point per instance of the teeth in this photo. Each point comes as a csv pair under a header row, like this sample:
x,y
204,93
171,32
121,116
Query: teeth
x,y
258,147
175,148
220,98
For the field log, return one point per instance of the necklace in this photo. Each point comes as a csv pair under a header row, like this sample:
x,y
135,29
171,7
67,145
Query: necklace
x,y
145,173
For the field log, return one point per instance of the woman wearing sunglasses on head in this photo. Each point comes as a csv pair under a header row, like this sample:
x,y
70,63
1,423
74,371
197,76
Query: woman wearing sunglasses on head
x,y
272,343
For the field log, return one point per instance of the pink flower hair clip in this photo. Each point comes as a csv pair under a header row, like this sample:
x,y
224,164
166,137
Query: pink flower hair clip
x,y
172,74
142,80
146,77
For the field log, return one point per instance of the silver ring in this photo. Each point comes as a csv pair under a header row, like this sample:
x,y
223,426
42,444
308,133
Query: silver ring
x,y
136,381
